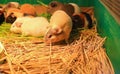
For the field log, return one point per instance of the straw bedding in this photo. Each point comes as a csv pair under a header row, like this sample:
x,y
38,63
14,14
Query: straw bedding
x,y
84,55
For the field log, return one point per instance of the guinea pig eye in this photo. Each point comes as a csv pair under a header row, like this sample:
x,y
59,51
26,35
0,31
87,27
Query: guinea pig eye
x,y
76,17
49,36
1,12
53,5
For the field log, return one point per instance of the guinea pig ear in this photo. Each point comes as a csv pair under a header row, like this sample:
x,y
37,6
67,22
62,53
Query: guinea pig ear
x,y
56,31
18,24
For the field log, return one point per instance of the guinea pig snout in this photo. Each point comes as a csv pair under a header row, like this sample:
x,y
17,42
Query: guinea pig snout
x,y
48,38
48,34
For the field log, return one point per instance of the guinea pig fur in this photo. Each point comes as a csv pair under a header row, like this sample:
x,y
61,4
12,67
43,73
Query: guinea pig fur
x,y
55,5
16,26
82,20
28,9
2,16
69,9
76,8
11,5
59,28
13,14
11,18
12,10
40,9
14,4
36,27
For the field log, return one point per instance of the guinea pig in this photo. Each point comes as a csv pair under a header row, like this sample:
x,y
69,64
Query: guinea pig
x,y
11,18
28,9
76,8
13,10
55,5
11,5
82,20
2,16
59,28
36,27
40,9
16,26
13,14
69,9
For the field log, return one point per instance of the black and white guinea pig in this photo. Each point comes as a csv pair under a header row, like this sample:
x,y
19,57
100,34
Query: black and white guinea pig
x,y
82,20
2,16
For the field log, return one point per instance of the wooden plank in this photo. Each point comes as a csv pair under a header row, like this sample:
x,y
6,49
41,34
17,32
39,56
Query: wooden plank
x,y
113,8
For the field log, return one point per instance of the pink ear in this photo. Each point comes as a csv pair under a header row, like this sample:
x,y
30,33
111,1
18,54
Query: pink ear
x,y
18,24
56,31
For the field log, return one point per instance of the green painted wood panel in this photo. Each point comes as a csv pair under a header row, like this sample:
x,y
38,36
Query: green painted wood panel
x,y
109,27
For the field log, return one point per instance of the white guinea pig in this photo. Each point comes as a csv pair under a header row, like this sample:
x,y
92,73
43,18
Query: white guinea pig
x,y
28,26
59,28
16,26
35,27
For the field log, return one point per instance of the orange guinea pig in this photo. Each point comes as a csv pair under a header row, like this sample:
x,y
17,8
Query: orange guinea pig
x,y
40,9
28,9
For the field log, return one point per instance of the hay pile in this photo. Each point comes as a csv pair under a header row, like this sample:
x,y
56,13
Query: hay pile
x,y
83,56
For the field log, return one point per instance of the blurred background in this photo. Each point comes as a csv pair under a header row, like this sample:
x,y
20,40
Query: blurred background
x,y
107,13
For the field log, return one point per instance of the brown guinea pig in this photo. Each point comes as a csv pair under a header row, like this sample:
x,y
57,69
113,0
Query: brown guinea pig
x,y
55,5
